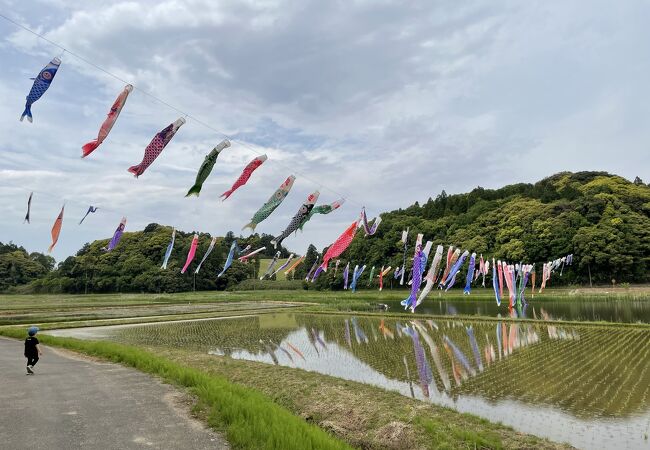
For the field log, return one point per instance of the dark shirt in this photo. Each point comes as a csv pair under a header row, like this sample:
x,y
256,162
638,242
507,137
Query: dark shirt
x,y
30,346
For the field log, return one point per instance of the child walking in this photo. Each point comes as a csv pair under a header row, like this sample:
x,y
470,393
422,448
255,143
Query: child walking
x,y
32,350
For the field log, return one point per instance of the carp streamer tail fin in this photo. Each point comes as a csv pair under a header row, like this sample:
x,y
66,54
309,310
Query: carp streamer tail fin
x,y
88,148
27,113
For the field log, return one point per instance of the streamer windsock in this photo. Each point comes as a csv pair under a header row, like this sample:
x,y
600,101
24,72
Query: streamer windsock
x,y
405,236
41,84
495,282
470,274
245,175
452,257
322,209
297,219
382,274
500,270
475,350
231,254
206,168
168,252
294,265
106,127
424,369
284,266
419,261
29,207
313,268
341,243
156,146
91,209
253,253
451,278
372,275
431,275
207,253
191,253
56,229
363,220
346,274
272,203
355,277
271,266
116,236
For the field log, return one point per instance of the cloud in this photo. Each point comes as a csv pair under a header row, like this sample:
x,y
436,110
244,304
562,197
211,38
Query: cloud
x,y
382,102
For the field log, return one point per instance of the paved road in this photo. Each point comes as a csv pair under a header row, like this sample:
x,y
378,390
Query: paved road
x,y
74,403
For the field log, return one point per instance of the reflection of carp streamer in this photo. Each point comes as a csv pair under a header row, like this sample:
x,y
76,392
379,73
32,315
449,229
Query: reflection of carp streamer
x,y
296,350
460,356
424,370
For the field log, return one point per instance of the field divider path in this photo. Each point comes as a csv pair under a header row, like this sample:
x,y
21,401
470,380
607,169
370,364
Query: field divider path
x,y
75,402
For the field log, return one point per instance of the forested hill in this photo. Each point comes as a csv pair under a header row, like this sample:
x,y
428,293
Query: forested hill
x,y
133,266
603,219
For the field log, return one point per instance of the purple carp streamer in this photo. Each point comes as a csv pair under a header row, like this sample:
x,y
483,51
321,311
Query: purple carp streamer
x,y
168,252
272,203
117,235
191,253
322,209
271,266
245,175
29,207
419,260
284,266
234,248
106,127
91,209
156,146
207,253
297,219
369,230
318,271
470,274
41,84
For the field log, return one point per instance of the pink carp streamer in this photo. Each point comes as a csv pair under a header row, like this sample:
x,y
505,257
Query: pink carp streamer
x,y
191,253
106,127
245,175
156,146
340,245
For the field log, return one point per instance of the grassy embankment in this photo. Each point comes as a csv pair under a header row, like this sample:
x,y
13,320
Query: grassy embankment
x,y
249,419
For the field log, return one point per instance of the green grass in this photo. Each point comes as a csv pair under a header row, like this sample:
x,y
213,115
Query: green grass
x,y
249,418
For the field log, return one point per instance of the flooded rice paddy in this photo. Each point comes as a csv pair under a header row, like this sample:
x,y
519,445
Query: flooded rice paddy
x,y
575,309
588,386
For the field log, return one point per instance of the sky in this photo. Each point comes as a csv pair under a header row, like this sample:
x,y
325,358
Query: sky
x,y
380,102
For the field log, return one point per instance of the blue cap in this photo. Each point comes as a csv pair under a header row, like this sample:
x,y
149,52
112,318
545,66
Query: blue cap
x,y
32,331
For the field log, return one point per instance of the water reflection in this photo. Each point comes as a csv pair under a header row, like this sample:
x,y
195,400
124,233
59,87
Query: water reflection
x,y
565,383
626,311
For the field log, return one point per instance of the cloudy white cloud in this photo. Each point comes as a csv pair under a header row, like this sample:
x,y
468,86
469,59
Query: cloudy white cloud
x,y
384,102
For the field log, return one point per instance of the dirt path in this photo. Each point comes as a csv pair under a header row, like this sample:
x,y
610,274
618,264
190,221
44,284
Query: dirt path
x,y
72,402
